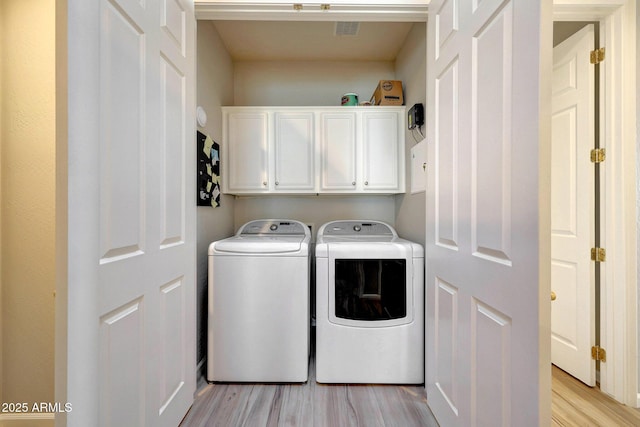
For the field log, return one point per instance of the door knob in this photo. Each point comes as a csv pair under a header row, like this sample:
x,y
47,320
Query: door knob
x,y
553,296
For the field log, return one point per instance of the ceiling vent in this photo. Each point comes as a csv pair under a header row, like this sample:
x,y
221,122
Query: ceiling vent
x,y
347,28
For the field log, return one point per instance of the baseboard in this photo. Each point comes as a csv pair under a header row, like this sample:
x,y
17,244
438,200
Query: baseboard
x,y
201,374
200,367
27,420
638,401
27,416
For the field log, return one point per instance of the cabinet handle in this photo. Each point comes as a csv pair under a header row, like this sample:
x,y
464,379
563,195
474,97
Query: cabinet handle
x,y
277,182
366,183
264,183
353,183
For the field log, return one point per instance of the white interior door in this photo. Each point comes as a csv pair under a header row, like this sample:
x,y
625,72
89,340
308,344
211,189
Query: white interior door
x,y
488,261
131,313
572,207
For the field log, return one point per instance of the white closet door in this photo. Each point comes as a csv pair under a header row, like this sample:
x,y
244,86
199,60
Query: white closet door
x,y
487,328
131,244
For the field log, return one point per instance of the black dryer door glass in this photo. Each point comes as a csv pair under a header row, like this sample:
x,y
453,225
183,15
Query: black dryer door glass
x,y
370,289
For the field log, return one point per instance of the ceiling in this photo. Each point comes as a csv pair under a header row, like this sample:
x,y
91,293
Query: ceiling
x,y
311,41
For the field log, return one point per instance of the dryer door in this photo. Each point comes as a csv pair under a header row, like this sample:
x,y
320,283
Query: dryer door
x,y
370,285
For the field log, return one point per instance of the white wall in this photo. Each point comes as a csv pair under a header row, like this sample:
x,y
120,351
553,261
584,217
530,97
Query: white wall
x,y
315,210
303,83
215,89
411,68
27,170
638,179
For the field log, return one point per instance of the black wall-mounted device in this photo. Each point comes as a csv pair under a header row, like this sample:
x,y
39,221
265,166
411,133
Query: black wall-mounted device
x,y
416,116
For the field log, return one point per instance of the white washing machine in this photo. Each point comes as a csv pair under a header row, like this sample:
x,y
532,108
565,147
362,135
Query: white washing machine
x,y
369,305
259,304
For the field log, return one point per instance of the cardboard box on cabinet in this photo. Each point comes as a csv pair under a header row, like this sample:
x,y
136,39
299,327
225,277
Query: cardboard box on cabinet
x,y
388,92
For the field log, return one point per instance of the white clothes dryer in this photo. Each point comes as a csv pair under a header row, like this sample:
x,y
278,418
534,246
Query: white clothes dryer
x,y
259,304
369,305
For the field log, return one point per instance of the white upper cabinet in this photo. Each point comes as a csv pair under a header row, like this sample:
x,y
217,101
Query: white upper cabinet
x,y
382,151
245,166
294,152
306,150
338,139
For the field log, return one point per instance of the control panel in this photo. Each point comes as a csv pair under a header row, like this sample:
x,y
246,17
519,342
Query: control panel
x,y
274,226
363,228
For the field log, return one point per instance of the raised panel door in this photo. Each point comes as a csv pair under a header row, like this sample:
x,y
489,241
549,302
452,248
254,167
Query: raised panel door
x,y
245,164
572,207
294,152
487,243
382,152
130,330
338,139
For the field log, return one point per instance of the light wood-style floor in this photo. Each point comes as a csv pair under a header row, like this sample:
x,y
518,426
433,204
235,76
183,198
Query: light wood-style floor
x,y
312,404
575,404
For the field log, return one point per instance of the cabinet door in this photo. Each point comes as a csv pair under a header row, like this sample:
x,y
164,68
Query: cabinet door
x,y
294,152
247,148
338,135
382,165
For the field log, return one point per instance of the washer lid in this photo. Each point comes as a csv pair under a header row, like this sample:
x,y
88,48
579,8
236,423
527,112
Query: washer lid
x,y
266,237
272,227
255,244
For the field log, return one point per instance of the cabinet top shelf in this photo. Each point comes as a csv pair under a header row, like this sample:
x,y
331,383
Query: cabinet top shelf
x,y
316,107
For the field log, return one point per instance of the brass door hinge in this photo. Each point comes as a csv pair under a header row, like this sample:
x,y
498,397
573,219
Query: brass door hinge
x,y
597,56
598,155
598,254
598,353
